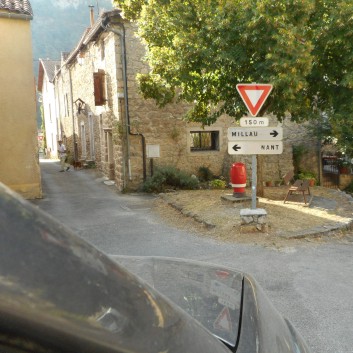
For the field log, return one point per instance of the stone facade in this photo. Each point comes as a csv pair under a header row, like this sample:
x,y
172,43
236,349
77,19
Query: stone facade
x,y
127,136
299,135
47,89
66,124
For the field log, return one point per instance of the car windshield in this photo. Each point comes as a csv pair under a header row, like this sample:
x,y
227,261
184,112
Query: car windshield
x,y
210,294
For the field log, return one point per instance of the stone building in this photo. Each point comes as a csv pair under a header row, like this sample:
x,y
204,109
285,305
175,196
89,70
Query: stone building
x,y
46,87
19,162
104,120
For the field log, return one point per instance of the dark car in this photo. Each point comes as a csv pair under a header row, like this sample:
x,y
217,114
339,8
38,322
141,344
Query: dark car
x,y
60,294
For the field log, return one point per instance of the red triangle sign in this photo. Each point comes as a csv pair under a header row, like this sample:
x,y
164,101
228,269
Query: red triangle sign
x,y
254,95
223,321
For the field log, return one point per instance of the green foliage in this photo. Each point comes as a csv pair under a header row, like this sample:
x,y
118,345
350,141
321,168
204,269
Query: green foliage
x,y
218,184
199,50
90,165
341,163
306,175
156,87
298,153
169,178
205,174
202,49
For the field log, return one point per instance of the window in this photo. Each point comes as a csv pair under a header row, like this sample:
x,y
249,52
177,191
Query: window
x,y
109,150
204,140
99,89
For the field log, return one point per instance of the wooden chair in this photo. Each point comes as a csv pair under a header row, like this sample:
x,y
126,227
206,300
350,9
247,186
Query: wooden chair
x,y
298,187
288,178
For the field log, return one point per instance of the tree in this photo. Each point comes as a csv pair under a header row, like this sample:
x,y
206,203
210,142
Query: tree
x,y
331,76
199,50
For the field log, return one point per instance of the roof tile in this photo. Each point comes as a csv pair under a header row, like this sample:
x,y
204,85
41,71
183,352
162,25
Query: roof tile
x,y
17,6
49,67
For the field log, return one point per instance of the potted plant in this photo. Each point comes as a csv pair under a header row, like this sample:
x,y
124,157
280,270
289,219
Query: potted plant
x,y
343,166
309,176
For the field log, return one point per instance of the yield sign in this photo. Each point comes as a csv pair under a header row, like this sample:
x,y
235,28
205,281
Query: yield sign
x,y
254,95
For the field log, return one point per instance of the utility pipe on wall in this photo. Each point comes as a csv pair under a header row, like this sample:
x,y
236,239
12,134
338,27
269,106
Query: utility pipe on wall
x,y
121,35
72,116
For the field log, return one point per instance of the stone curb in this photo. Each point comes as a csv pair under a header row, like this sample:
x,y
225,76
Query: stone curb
x,y
313,232
180,208
319,231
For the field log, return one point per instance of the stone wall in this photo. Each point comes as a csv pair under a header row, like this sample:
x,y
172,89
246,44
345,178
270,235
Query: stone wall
x,y
120,140
299,135
345,180
63,107
166,128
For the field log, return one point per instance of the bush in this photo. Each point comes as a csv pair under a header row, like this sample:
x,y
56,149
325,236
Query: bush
x,y
218,184
169,178
309,176
205,174
349,188
306,175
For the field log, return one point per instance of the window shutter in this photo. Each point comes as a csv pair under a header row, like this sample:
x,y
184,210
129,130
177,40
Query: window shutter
x,y
98,80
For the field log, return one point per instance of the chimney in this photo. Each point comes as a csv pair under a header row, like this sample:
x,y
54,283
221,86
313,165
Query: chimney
x,y
64,56
91,14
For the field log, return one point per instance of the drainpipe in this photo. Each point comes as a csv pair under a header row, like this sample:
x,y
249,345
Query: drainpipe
x,y
121,35
73,115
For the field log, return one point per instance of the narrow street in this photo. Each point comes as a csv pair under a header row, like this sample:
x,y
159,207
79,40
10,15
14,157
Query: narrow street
x,y
311,283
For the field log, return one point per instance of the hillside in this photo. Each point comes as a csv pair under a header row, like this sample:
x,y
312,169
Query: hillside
x,y
57,25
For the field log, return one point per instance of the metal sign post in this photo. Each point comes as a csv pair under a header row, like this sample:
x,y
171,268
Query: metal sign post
x,y
254,181
153,151
254,137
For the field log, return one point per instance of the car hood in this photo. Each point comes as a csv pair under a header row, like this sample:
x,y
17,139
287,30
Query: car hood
x,y
59,291
211,294
229,303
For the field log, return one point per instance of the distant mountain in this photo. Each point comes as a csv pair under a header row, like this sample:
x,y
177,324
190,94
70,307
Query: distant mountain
x,y
58,25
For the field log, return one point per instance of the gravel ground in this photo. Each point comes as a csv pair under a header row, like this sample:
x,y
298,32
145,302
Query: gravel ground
x,y
205,211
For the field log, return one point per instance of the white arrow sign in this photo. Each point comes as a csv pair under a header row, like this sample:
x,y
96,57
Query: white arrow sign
x,y
255,147
253,133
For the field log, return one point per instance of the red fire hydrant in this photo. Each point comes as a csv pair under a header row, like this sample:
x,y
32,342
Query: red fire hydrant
x,y
238,179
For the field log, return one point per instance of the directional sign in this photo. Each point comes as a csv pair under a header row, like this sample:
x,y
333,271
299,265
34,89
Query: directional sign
x,y
253,133
254,95
254,122
255,147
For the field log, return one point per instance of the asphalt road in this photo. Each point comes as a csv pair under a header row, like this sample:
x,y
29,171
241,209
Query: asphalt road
x,y
310,283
